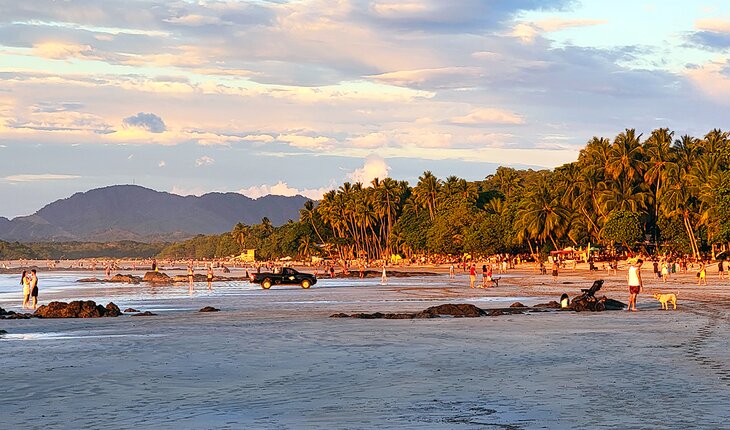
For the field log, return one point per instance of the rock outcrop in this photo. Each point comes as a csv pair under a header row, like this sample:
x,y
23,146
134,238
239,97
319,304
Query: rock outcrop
x,y
144,314
157,278
209,309
77,309
118,278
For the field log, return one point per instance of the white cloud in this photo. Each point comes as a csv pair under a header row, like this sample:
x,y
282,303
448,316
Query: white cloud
x,y
204,161
39,178
488,116
371,140
283,189
306,142
183,191
528,31
374,167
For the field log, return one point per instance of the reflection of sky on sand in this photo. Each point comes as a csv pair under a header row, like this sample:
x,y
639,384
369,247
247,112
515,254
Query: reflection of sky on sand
x,y
62,286
68,335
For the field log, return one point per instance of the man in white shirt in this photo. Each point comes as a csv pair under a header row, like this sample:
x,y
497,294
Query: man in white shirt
x,y
635,283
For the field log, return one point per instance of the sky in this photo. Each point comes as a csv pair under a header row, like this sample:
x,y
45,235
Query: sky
x,y
297,97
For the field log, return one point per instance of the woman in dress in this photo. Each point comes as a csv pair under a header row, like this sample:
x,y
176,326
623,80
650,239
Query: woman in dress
x,y
25,282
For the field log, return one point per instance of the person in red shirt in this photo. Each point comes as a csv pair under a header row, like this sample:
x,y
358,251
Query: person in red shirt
x,y
472,275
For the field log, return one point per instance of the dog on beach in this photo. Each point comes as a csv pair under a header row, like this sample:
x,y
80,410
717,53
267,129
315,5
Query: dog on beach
x,y
664,299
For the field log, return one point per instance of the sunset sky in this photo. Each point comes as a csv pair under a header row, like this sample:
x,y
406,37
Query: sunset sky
x,y
289,97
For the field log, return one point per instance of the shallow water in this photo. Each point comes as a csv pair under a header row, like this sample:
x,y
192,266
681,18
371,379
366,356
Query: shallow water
x,y
63,286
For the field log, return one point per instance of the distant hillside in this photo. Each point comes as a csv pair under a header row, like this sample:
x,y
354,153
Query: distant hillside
x,y
130,212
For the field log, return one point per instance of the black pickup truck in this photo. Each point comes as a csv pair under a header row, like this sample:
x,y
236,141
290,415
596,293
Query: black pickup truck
x,y
287,276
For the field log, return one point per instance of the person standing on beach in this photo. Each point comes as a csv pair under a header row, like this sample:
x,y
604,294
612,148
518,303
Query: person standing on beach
x,y
721,269
555,271
25,282
702,274
34,288
472,275
451,271
635,283
209,277
384,277
191,274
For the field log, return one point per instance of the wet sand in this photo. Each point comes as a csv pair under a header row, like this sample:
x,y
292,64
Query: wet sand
x,y
273,359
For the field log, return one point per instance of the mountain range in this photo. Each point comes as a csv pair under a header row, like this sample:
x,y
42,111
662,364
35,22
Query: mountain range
x,y
131,212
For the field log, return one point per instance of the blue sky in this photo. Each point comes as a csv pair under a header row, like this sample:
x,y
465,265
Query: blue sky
x,y
293,97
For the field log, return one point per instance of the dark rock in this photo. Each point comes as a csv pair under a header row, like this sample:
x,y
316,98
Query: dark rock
x,y
127,279
551,305
517,305
340,315
496,312
209,309
112,310
458,311
144,314
157,278
3,311
130,310
226,270
2,332
119,279
399,316
77,309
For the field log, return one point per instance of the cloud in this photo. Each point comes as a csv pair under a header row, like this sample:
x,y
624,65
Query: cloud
x,y
305,142
371,140
63,51
374,167
53,107
39,178
451,76
204,161
528,31
483,116
283,189
146,121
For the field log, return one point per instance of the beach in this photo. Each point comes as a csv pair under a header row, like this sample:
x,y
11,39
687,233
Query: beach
x,y
274,359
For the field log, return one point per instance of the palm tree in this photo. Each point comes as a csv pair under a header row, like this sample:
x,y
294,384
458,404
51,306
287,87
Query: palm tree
x,y
426,192
658,149
625,157
541,216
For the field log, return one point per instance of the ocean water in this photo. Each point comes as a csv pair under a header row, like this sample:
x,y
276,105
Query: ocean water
x,y
63,286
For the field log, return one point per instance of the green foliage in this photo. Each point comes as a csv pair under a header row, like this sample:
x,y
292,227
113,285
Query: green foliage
x,y
77,250
623,227
673,236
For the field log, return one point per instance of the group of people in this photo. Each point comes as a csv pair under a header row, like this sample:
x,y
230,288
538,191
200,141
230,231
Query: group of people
x,y
29,281
487,279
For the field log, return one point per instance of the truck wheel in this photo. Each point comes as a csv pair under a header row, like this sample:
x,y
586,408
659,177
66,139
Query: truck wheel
x,y
306,284
266,284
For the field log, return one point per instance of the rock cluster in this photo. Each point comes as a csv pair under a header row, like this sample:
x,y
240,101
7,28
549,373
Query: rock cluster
x,y
118,278
12,315
157,278
144,314
77,309
209,309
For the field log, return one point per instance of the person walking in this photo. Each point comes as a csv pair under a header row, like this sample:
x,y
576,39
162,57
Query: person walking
x,y
384,277
452,273
635,283
555,271
191,274
702,274
472,275
484,276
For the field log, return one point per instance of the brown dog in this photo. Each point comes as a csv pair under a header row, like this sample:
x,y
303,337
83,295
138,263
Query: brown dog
x,y
664,299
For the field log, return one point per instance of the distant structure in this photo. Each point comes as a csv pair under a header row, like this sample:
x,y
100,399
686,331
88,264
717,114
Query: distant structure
x,y
248,255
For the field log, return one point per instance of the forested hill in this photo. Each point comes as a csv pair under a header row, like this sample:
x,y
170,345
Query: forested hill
x,y
130,212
